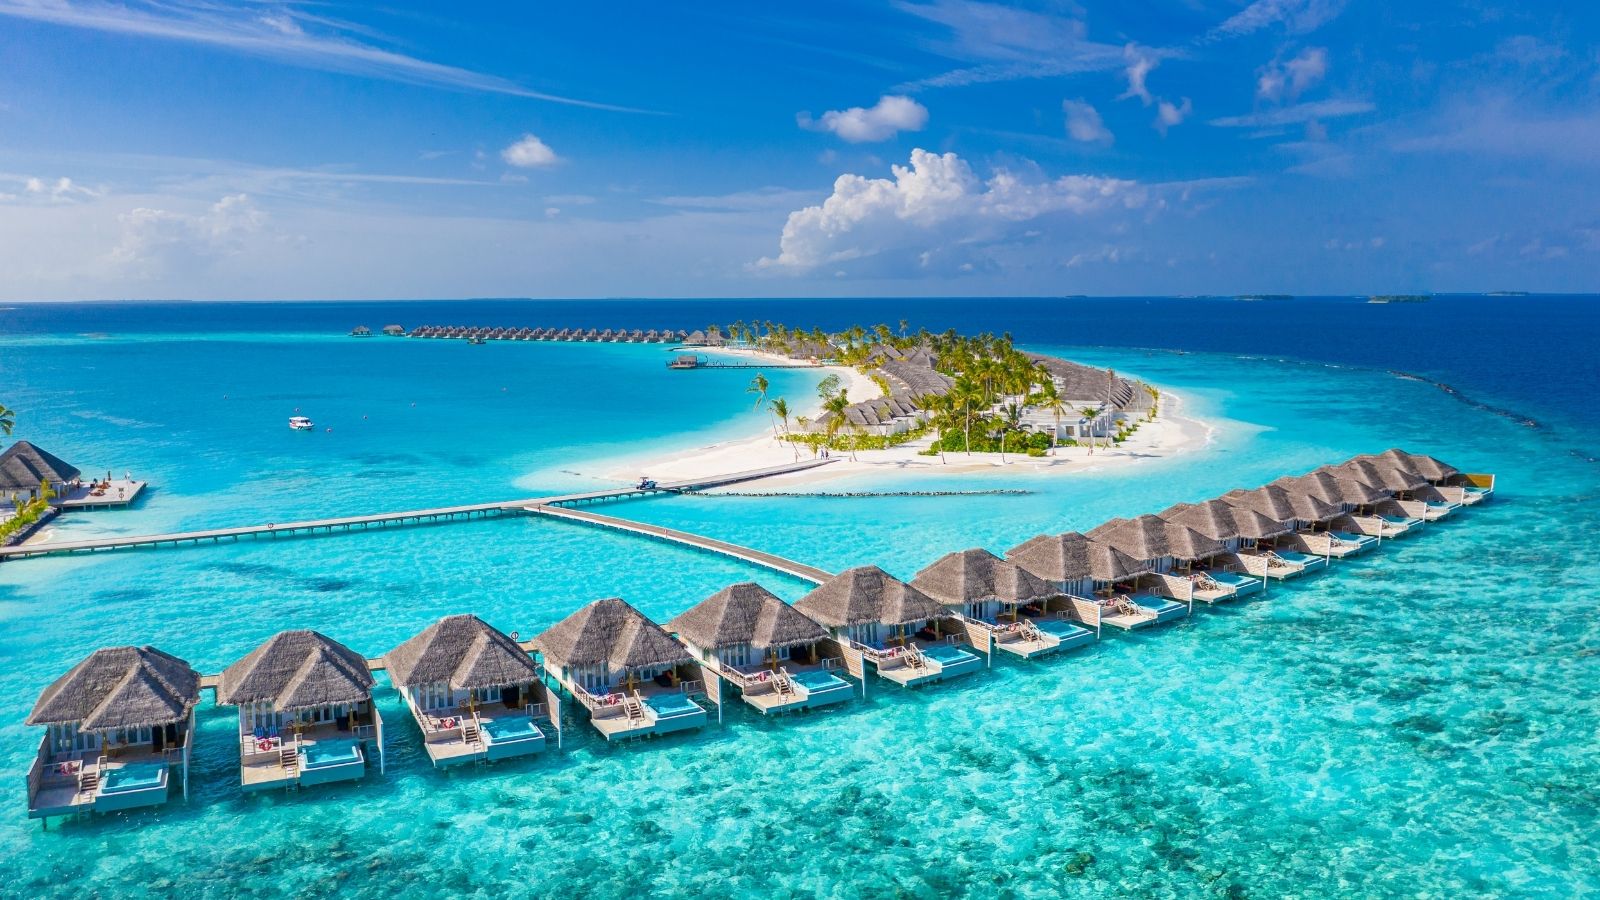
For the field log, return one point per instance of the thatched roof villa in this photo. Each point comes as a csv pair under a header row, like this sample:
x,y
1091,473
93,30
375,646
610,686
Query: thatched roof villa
x,y
305,711
877,618
631,675
778,659
1001,602
116,723
473,691
24,466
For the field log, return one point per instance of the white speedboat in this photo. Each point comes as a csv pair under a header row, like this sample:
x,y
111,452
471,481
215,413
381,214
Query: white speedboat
x,y
301,423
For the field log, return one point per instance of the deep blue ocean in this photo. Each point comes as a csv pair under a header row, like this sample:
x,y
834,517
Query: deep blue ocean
x,y
1417,722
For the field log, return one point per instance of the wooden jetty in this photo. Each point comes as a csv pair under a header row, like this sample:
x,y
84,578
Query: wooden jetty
x,y
766,560
405,518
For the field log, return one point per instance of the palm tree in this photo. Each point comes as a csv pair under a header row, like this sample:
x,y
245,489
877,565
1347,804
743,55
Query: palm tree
x,y
964,394
1049,399
780,408
803,423
758,386
1091,414
8,419
835,406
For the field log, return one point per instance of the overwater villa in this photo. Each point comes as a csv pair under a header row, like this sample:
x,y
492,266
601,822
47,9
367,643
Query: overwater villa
x,y
628,672
1229,574
118,724
1361,524
907,636
1001,604
305,712
1298,550
1169,551
1084,572
473,691
776,658
1413,496
1455,485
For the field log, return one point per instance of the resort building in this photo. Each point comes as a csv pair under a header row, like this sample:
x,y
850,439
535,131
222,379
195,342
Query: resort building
x,y
1114,399
1238,531
24,467
1360,525
1301,547
1453,484
768,651
1169,551
305,712
117,725
907,636
629,673
1414,494
1086,572
1001,604
473,691
394,330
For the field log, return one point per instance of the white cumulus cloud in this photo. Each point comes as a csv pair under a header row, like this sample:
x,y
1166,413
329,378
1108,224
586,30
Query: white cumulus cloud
x,y
529,153
879,122
933,212
1288,79
155,241
1169,114
1139,65
1084,122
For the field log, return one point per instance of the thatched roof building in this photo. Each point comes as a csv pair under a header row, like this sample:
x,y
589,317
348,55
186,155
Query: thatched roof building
x,y
612,633
1223,522
745,613
868,594
1383,474
1074,557
1148,538
23,466
462,651
120,687
1426,466
1329,485
976,575
296,670
1280,505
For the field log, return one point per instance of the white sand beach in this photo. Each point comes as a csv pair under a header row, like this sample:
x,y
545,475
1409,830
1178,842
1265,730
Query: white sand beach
x,y
1171,434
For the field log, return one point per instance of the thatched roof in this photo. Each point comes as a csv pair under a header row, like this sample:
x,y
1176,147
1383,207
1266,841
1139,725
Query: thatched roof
x,y
120,687
462,651
1148,538
868,594
1383,474
1074,557
23,466
745,613
1221,521
1333,486
1426,466
297,670
1280,505
975,575
613,633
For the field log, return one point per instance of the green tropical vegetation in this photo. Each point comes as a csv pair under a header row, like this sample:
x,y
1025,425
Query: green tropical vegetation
x,y
8,419
27,513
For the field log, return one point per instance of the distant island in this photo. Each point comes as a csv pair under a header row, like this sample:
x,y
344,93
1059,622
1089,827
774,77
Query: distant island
x,y
1399,298
1507,294
1264,297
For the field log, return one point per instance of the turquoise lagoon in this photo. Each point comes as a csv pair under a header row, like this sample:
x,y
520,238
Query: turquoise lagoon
x,y
1419,721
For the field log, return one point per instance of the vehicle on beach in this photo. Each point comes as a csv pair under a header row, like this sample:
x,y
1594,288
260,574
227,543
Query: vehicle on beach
x,y
301,423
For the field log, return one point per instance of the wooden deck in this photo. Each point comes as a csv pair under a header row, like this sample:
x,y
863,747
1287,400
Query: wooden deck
x,y
757,557
405,518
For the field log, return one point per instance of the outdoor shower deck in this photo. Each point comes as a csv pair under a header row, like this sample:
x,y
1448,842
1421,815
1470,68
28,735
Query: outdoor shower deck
x,y
406,518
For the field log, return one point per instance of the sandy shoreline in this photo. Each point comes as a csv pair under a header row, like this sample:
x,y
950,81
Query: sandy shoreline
x,y
1171,434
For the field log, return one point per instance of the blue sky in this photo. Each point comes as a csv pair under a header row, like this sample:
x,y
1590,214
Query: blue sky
x,y
198,149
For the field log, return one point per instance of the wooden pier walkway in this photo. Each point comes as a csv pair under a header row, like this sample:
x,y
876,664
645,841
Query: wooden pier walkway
x,y
766,560
405,518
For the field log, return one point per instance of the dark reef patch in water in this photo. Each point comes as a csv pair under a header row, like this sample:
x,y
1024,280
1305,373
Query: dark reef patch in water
x,y
1519,418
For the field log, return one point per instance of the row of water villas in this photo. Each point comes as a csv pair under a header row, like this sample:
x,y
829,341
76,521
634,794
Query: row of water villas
x,y
591,335
120,724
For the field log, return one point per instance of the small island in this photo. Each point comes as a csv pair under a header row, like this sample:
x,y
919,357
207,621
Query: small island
x,y
1399,298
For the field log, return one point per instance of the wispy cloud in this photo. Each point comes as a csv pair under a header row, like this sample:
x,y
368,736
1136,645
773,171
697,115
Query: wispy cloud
x,y
280,36
759,199
1295,15
1301,112
1005,44
1084,123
